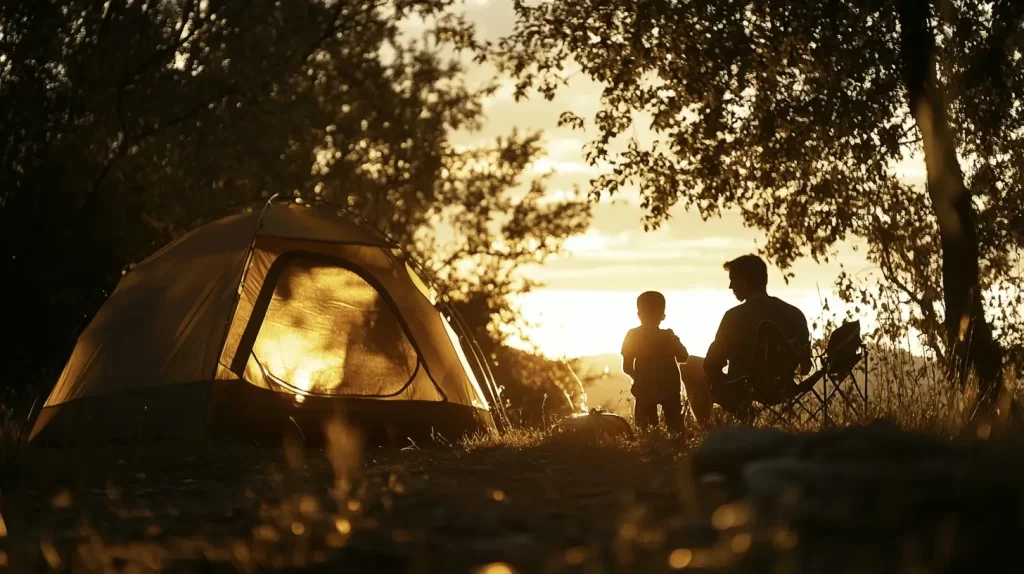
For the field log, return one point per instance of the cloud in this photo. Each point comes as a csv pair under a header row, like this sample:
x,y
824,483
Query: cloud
x,y
623,275
596,261
547,164
595,242
504,94
566,148
653,253
632,259
492,18
558,195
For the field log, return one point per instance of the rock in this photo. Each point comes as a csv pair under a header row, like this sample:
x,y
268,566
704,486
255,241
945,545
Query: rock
x,y
727,449
876,480
852,496
879,441
593,424
714,490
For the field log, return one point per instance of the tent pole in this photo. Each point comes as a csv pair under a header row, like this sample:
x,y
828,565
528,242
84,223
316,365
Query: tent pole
x,y
241,281
482,361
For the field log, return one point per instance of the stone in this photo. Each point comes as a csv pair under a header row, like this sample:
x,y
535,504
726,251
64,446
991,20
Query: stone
x,y
727,449
593,424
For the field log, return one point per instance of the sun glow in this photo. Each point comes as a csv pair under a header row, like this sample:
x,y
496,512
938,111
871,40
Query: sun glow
x,y
579,323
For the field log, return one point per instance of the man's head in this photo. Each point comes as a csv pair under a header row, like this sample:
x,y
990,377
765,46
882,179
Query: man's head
x,y
748,276
650,307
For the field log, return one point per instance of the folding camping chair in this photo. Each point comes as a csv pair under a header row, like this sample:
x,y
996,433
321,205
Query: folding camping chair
x,y
775,386
844,351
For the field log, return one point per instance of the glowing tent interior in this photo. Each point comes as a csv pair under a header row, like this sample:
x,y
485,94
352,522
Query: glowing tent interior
x,y
261,321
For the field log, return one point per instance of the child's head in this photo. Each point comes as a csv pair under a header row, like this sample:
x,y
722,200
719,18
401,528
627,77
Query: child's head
x,y
650,307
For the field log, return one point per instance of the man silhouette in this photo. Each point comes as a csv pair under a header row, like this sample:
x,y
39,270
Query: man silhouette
x,y
734,344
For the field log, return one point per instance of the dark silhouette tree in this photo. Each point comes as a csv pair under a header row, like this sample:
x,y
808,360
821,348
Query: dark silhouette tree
x,y
536,390
124,124
795,113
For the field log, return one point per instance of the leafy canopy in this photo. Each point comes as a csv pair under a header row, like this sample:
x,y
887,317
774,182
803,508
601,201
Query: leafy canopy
x,y
795,114
126,123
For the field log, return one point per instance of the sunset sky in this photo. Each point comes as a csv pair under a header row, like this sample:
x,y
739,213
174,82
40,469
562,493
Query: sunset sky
x,y
588,301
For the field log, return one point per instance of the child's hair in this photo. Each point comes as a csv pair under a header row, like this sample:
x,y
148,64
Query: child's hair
x,y
651,304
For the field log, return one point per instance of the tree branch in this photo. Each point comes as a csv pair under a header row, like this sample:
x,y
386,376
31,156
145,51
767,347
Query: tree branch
x,y
926,304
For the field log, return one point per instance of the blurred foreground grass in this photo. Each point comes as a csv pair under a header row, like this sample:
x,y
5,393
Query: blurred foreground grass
x,y
528,501
535,501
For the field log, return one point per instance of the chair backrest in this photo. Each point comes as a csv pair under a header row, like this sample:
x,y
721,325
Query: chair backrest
x,y
842,352
774,356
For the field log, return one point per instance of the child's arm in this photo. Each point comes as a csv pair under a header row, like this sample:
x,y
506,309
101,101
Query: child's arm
x,y
679,350
627,365
628,356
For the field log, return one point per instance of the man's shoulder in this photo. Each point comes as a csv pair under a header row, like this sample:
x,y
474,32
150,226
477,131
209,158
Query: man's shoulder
x,y
770,306
791,318
789,307
782,303
737,311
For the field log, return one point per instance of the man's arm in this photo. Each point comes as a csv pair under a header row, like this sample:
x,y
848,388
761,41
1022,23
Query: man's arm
x,y
805,362
716,358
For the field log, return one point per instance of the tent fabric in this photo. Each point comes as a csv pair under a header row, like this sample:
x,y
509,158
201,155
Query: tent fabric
x,y
328,331
160,324
292,299
444,365
237,408
309,223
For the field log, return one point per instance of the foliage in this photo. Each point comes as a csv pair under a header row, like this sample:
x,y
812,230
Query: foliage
x,y
484,226
536,390
126,123
797,114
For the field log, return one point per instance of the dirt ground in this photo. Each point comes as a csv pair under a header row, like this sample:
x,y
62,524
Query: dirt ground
x,y
549,505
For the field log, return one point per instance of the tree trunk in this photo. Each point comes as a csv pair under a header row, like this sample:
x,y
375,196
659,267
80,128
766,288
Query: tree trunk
x,y
968,334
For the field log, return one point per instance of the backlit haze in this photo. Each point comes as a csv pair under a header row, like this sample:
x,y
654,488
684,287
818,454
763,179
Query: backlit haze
x,y
588,301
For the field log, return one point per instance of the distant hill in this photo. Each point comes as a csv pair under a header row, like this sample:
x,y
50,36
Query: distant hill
x,y
606,385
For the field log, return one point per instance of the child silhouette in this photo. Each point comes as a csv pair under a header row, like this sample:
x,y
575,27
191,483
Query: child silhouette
x,y
651,357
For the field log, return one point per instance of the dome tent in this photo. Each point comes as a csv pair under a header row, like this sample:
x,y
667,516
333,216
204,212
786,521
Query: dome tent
x,y
262,321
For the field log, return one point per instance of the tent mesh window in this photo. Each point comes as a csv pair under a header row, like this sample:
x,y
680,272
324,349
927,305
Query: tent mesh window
x,y
328,331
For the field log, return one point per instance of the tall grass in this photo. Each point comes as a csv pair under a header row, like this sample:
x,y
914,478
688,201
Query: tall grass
x,y
912,392
15,411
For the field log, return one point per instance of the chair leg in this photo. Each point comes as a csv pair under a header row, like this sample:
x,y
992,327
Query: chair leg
x,y
866,353
796,407
855,398
832,390
823,407
813,413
